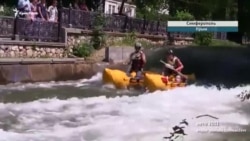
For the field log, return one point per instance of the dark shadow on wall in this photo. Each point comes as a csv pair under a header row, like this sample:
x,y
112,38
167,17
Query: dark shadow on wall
x,y
228,66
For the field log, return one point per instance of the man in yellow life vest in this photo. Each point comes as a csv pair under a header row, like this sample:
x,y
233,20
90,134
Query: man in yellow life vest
x,y
176,64
137,60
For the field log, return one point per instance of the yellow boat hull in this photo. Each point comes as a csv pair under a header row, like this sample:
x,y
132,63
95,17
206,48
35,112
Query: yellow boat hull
x,y
119,79
151,81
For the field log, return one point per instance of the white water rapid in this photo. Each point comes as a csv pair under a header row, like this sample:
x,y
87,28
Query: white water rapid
x,y
147,117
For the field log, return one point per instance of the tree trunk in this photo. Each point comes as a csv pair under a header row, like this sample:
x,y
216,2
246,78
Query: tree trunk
x,y
121,8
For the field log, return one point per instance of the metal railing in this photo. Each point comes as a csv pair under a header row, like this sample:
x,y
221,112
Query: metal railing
x,y
37,30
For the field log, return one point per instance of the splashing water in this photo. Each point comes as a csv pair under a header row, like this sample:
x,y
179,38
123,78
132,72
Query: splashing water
x,y
145,117
82,82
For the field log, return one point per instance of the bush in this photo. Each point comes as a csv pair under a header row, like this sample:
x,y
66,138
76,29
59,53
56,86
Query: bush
x,y
97,38
203,38
8,11
83,50
98,35
129,38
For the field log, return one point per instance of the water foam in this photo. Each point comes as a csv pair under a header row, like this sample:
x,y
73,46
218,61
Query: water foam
x,y
52,84
146,117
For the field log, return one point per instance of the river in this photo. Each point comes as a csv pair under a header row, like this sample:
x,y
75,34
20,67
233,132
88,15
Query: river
x,y
84,110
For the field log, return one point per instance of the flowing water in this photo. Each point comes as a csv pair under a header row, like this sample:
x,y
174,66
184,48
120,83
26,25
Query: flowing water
x,y
85,110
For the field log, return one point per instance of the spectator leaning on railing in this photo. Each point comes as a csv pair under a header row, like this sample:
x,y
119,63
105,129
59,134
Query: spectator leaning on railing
x,y
80,5
24,5
42,10
25,9
53,12
83,6
76,5
34,11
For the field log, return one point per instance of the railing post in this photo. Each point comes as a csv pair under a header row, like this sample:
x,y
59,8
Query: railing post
x,y
125,23
69,12
157,26
16,36
106,59
59,20
144,24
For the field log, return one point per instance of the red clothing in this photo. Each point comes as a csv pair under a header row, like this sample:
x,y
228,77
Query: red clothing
x,y
176,63
84,7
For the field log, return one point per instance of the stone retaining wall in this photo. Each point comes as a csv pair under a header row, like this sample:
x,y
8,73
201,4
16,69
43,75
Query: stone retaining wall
x,y
19,51
75,39
76,36
31,49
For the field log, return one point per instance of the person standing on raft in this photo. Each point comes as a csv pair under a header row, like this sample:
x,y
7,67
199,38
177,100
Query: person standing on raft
x,y
137,60
176,64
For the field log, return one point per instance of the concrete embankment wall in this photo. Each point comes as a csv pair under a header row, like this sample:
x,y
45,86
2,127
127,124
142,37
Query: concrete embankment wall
x,y
118,54
14,70
36,70
212,65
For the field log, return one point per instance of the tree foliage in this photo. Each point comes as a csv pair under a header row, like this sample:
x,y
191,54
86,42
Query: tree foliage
x,y
151,8
203,10
184,15
83,50
203,38
98,35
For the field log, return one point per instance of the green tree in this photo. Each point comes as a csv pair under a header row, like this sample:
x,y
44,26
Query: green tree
x,y
98,35
212,9
151,9
184,15
203,38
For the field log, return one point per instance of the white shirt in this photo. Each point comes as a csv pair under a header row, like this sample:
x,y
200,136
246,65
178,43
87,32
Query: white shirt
x,y
52,13
23,3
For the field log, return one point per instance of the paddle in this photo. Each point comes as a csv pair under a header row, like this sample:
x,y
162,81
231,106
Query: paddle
x,y
188,77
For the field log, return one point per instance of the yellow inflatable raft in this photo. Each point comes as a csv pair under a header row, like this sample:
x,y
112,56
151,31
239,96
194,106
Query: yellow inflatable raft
x,y
151,81
119,79
155,82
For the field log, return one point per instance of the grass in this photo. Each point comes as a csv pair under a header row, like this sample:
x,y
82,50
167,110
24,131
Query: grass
x,y
130,43
219,43
129,40
122,43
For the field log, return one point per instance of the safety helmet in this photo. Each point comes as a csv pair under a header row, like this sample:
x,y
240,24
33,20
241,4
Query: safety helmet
x,y
170,52
138,45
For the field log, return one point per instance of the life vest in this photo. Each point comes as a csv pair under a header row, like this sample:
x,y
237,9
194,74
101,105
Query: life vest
x,y
137,61
174,62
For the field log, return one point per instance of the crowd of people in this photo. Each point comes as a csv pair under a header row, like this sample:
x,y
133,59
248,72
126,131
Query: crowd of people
x,y
80,5
38,9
